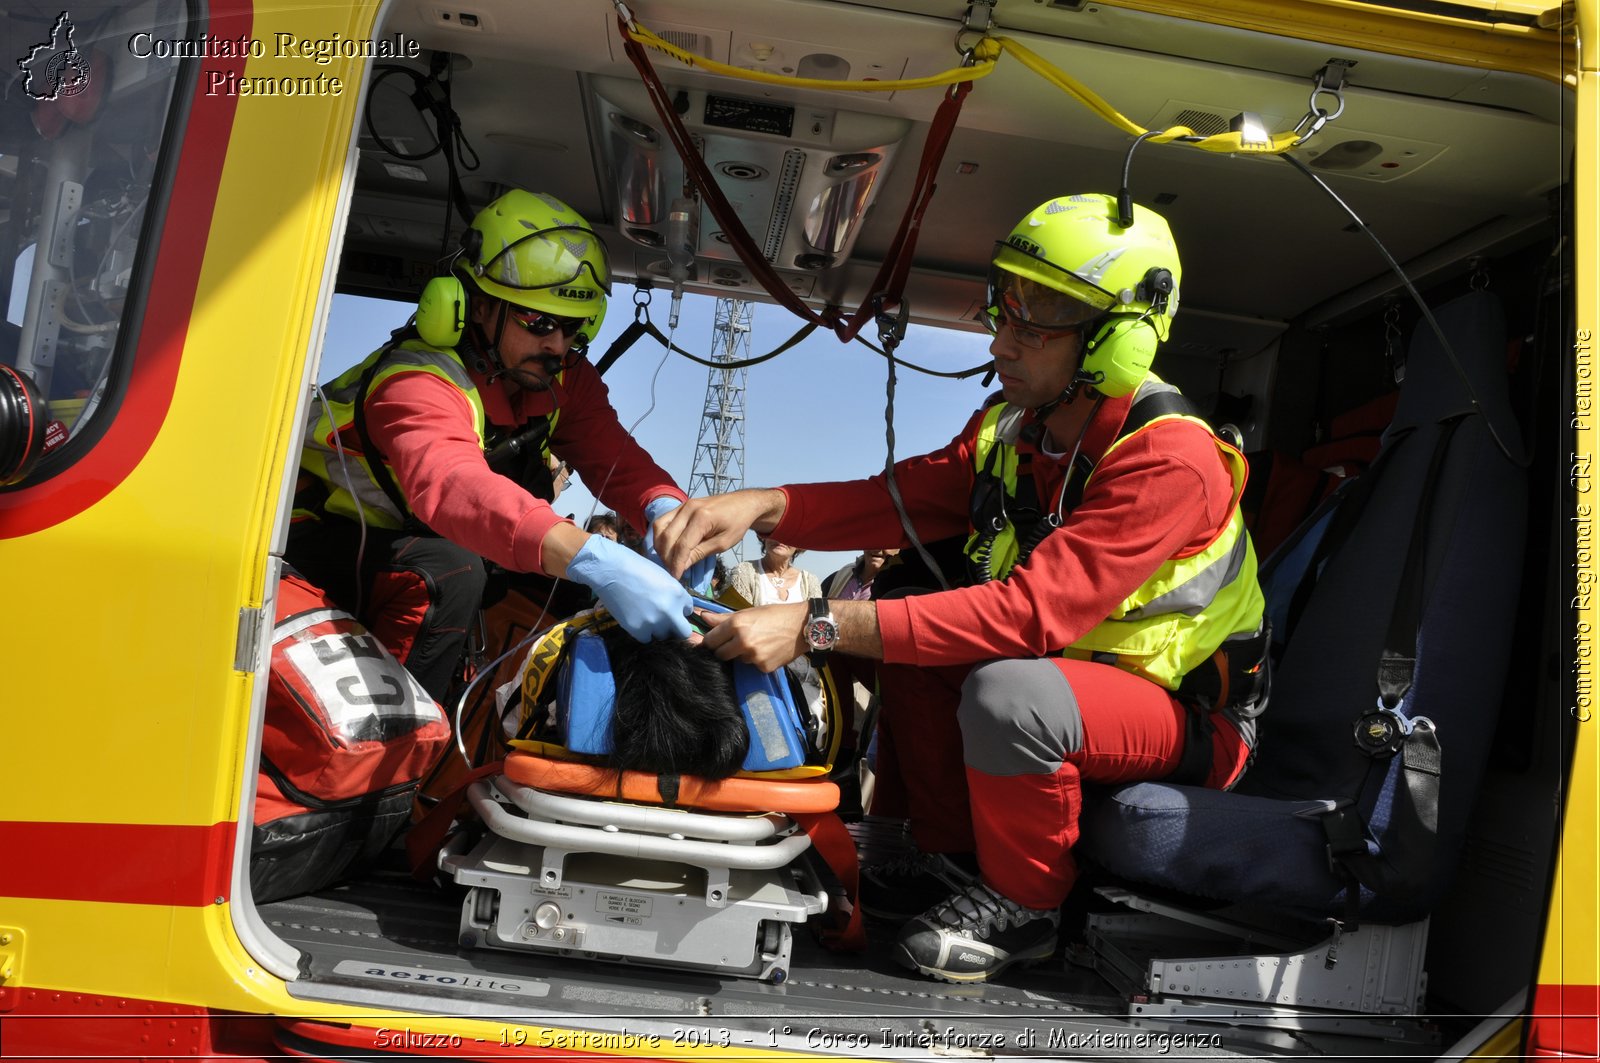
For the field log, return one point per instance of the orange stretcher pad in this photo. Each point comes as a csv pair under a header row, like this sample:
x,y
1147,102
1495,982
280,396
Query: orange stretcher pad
x,y
739,793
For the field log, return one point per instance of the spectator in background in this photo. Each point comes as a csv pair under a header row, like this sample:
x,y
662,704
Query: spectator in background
x,y
774,578
605,524
855,677
627,536
853,582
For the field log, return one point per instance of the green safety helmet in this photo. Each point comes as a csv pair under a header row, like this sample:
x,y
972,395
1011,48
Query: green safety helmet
x,y
1070,263
531,250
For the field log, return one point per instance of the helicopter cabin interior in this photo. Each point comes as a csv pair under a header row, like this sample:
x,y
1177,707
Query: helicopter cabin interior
x,y
1434,160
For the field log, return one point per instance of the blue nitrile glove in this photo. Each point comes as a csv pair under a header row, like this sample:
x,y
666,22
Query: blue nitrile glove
x,y
648,603
698,577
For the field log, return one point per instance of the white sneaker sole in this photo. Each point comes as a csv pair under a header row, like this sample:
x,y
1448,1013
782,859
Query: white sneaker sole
x,y
1042,951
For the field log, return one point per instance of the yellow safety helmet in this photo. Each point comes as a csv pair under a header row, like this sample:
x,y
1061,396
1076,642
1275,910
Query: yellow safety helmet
x,y
531,250
1069,263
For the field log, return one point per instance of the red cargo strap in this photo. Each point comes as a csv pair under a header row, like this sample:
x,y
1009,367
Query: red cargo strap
x,y
428,836
889,283
838,850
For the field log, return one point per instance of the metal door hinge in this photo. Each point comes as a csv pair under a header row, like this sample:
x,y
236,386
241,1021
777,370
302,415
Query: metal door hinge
x,y
244,650
11,939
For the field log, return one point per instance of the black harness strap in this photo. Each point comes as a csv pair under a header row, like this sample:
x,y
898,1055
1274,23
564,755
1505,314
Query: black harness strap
x,y
526,444
1398,662
640,328
1144,410
1194,763
520,456
1383,732
1032,524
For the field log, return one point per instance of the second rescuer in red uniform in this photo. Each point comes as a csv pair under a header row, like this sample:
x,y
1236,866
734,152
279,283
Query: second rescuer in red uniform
x,y
1107,567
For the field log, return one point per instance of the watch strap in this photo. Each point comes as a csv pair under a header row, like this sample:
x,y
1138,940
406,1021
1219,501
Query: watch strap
x,y
820,610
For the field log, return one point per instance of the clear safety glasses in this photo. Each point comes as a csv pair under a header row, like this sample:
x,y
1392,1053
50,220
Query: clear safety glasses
x,y
1034,312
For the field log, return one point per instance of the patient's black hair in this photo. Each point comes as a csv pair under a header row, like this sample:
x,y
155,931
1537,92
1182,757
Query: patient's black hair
x,y
676,710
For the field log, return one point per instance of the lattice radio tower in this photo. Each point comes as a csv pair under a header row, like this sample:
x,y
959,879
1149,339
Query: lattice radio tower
x,y
719,452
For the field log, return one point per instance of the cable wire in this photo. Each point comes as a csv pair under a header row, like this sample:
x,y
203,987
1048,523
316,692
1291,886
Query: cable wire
x,y
1522,461
361,511
888,472
951,374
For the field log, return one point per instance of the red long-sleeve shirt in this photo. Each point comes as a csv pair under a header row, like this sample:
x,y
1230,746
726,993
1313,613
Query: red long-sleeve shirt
x,y
1164,493
424,425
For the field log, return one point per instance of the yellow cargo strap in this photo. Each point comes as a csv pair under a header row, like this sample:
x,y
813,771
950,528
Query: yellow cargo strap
x,y
984,55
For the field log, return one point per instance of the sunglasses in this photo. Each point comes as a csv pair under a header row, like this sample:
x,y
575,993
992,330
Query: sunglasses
x,y
542,324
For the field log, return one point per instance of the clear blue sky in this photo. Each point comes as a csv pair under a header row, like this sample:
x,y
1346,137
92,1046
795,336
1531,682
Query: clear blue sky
x,y
815,412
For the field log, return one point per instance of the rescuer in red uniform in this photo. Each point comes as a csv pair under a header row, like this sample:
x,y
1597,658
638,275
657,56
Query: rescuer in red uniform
x,y
1107,626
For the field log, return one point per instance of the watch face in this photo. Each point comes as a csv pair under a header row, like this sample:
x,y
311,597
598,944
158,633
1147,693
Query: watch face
x,y
822,633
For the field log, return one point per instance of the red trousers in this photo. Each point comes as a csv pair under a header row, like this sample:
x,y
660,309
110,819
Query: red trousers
x,y
991,759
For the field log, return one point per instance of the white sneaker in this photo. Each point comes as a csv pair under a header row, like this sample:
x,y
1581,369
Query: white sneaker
x,y
974,935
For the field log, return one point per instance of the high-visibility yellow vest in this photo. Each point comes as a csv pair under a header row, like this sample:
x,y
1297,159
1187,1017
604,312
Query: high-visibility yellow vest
x,y
351,478
1178,617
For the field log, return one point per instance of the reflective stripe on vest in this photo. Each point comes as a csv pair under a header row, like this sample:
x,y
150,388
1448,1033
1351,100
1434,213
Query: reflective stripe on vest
x,y
321,459
1179,616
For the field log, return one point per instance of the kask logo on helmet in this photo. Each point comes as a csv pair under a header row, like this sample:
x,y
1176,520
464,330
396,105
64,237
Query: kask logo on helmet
x,y
575,293
1024,245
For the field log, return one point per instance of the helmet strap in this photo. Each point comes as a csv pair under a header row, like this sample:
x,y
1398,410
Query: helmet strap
x,y
486,352
1034,432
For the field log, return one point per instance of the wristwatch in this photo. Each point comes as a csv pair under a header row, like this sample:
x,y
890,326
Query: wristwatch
x,y
821,631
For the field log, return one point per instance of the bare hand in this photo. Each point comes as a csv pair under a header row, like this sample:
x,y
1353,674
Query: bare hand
x,y
768,636
703,527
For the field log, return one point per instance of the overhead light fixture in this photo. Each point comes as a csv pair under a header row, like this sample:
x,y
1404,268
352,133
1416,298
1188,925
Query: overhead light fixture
x,y
837,209
640,181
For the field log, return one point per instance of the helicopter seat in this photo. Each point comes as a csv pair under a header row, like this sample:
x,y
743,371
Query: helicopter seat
x,y
1395,606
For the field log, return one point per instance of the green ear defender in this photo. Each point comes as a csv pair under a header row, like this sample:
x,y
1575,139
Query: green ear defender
x,y
1119,355
442,312
1120,264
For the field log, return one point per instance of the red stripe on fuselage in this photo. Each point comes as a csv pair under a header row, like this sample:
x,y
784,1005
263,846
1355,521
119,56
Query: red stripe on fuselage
x,y
116,863
1565,1022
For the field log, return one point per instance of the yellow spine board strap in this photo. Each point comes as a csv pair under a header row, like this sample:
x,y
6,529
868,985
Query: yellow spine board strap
x,y
545,657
